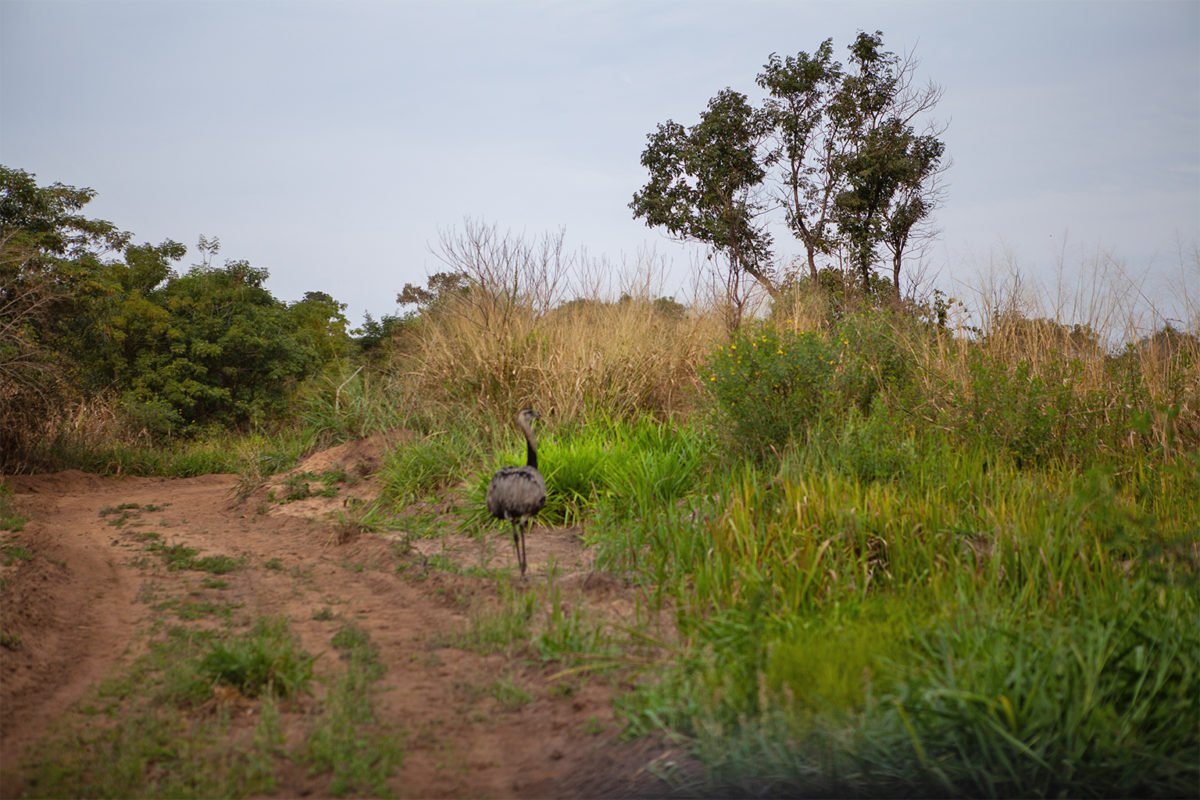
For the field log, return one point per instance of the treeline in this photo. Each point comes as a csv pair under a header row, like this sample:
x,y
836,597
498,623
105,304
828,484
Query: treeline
x,y
103,338
87,315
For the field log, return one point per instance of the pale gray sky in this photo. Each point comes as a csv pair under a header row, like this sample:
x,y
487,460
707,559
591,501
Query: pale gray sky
x,y
330,142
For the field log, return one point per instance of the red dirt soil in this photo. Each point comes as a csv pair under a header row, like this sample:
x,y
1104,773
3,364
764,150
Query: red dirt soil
x,y
81,609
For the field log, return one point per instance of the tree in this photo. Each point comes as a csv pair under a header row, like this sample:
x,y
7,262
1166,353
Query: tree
x,y
320,325
917,195
889,171
214,347
706,186
851,174
807,143
49,259
85,313
374,333
439,287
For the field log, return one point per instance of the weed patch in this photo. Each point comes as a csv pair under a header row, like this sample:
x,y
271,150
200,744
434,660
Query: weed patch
x,y
181,557
348,740
158,746
10,520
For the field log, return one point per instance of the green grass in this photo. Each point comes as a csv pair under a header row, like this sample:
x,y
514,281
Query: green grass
x,y
569,635
264,662
145,738
157,730
10,520
181,557
977,628
416,470
502,627
11,553
352,405
310,484
509,695
349,741
222,452
198,609
624,469
164,739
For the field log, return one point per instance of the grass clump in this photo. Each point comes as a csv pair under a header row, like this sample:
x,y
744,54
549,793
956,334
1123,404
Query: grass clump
x,y
441,459
10,520
501,627
141,735
181,557
301,485
266,661
349,741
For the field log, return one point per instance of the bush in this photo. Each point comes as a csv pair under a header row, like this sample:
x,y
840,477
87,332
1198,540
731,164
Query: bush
x,y
1035,415
772,385
873,362
267,661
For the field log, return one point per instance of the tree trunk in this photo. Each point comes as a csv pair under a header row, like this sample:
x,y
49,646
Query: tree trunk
x,y
896,272
764,281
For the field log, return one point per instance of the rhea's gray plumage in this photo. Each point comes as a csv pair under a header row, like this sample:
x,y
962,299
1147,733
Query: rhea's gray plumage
x,y
518,493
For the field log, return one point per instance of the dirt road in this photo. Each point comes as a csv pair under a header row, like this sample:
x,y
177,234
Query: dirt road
x,y
86,602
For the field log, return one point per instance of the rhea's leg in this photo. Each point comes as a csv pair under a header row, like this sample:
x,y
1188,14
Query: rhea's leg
x,y
524,559
517,544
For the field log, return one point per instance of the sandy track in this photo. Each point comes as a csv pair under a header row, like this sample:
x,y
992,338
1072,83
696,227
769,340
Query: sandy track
x,y
82,608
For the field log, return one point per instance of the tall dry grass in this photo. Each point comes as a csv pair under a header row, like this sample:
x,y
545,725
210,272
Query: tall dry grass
x,y
1090,356
589,356
512,339
1099,333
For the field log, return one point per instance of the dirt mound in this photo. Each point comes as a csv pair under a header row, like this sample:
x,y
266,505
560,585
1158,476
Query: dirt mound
x,y
68,482
330,484
361,457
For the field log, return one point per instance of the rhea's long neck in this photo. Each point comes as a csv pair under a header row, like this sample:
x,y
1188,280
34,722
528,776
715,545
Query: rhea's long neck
x,y
530,445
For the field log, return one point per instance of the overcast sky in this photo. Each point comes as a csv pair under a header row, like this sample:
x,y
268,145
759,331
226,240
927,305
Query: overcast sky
x,y
331,142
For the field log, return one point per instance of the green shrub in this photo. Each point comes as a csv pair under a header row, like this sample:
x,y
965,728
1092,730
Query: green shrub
x,y
266,661
771,385
1035,415
873,362
878,445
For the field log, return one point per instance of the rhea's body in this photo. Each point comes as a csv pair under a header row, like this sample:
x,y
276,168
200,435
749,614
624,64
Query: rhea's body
x,y
517,494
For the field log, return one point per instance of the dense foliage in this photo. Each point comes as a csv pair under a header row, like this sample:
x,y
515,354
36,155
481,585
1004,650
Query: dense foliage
x,y
86,315
832,146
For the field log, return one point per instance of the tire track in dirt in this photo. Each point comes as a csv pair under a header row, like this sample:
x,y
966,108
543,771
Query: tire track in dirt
x,y
82,606
72,606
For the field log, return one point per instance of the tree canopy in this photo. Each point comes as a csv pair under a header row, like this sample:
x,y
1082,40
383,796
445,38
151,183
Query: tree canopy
x,y
84,311
832,146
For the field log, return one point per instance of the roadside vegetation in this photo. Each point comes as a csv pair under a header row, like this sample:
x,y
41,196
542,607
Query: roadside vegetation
x,y
905,546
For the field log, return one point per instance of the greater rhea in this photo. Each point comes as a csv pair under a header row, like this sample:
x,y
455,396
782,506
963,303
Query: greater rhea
x,y
518,493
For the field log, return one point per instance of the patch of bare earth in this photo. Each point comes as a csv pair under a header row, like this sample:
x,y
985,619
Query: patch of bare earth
x,y
82,608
